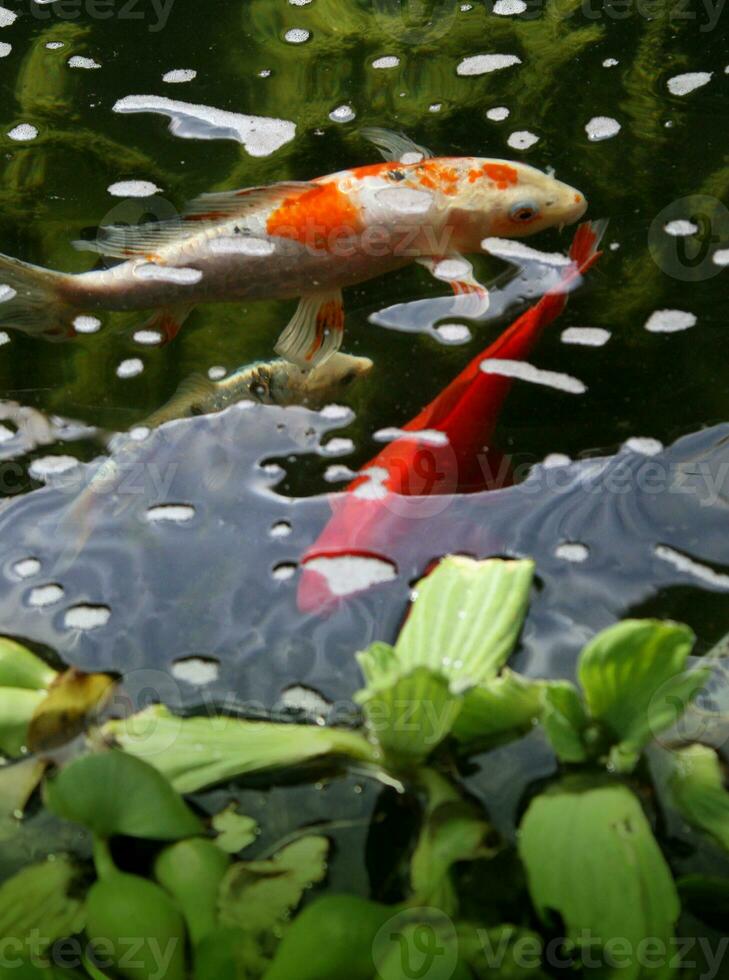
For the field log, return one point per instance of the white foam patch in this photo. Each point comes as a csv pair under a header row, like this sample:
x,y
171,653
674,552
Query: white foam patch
x,y
509,8
435,107
680,228
691,567
27,567
179,75
23,132
284,571
516,251
7,17
299,698
299,3
174,513
669,321
522,139
405,200
260,135
130,368
297,35
241,245
602,128
216,372
373,487
7,293
196,671
338,447
55,45
86,324
721,257
45,595
449,269
554,460
4,337
78,61
572,551
338,474
498,113
6,434
585,336
5,49
527,372
46,467
481,64
133,188
453,333
342,114
428,437
281,529
347,574
86,617
147,338
335,412
388,61
610,63
644,445
167,273
689,82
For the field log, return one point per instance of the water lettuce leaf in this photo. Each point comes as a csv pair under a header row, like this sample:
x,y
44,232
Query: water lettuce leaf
x,y
636,684
235,830
37,907
17,784
564,720
19,667
591,858
74,698
498,710
17,707
115,793
197,752
698,791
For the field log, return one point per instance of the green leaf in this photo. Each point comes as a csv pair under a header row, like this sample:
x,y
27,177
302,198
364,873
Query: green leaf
x,y
409,715
503,952
697,789
564,720
17,784
115,793
635,683
191,871
197,752
36,905
19,667
590,857
235,830
500,709
466,618
17,707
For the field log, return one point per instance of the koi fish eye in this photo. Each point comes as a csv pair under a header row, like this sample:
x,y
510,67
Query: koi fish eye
x,y
523,211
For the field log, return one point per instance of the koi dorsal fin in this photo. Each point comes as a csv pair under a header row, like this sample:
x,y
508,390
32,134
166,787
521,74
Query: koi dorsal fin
x,y
222,205
395,146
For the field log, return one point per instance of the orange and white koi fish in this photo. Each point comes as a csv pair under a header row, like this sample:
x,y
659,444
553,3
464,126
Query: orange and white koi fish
x,y
304,240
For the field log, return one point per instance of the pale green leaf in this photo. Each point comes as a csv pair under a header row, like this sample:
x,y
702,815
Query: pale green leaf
x,y
466,618
19,667
591,858
115,793
564,720
17,784
201,751
698,791
500,709
17,707
235,830
36,906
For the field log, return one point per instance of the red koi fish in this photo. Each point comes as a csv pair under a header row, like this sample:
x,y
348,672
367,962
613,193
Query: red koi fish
x,y
446,453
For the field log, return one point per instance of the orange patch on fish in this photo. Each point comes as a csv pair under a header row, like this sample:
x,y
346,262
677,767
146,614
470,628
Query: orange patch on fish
x,y
435,175
315,217
375,169
501,173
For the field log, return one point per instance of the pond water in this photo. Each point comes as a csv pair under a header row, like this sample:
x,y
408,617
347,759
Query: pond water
x,y
118,113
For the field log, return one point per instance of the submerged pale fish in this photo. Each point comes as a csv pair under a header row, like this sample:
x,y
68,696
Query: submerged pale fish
x,y
305,240
276,382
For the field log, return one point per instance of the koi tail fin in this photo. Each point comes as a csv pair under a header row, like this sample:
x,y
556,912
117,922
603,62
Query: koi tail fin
x,y
31,300
583,250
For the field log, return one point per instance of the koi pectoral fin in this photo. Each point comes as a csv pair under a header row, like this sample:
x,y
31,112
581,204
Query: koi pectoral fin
x,y
167,322
458,273
315,330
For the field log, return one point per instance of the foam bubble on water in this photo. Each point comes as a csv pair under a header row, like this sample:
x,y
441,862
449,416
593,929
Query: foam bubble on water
x,y
509,8
335,412
86,617
78,61
338,474
139,433
260,135
342,114
170,513
346,574
5,49
685,564
688,82
7,17
585,336
27,567
299,3
297,35
339,446
721,257
387,61
7,293
86,324
45,467
130,368
528,372
572,551
522,139
680,228
241,245
435,107
405,200
133,188
554,460
449,269
45,595
6,434
148,338
602,128
197,671
453,333
518,252
284,571
164,273
610,63
216,372
480,64
179,75
304,699
428,437
55,45
669,321
23,132
264,73
4,337
644,445
498,113
281,529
